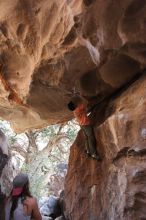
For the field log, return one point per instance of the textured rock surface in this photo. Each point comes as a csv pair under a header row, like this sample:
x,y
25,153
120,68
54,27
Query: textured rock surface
x,y
116,188
7,172
50,49
49,206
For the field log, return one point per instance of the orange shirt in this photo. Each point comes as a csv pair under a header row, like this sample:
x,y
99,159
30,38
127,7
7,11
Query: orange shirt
x,y
81,115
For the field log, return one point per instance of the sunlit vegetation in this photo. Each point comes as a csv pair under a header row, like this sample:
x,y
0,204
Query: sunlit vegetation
x,y
43,154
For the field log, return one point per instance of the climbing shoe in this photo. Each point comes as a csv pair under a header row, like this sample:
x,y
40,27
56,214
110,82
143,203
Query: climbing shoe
x,y
87,152
96,157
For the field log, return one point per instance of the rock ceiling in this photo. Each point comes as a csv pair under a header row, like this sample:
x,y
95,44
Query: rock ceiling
x,y
51,49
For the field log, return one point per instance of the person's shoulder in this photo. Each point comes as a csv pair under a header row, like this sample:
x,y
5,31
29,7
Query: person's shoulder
x,y
31,201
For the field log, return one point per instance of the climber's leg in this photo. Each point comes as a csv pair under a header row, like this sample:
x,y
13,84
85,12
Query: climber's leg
x,y
86,141
88,130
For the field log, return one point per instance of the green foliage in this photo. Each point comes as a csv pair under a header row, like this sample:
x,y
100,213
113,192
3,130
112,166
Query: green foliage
x,y
11,135
36,176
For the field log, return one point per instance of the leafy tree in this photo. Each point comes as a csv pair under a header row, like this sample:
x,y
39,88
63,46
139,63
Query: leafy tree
x,y
39,152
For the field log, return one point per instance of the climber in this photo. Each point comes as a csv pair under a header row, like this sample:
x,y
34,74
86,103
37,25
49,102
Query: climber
x,y
79,107
20,204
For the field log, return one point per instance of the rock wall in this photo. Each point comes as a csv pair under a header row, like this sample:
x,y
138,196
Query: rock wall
x,y
7,172
114,189
51,49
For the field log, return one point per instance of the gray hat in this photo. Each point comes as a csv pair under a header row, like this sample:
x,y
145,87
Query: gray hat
x,y
20,180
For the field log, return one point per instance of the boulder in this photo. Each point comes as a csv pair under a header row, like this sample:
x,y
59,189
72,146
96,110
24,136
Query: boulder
x,y
49,206
60,218
46,218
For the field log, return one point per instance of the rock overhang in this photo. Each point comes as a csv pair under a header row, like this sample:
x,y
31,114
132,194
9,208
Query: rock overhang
x,y
50,50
